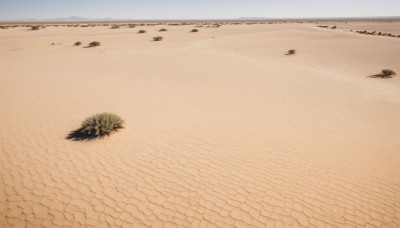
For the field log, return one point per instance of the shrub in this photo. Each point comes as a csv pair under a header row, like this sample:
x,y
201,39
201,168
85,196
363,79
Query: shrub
x,y
78,43
194,30
94,44
36,27
158,38
387,73
334,27
131,26
162,30
142,31
115,27
291,52
101,125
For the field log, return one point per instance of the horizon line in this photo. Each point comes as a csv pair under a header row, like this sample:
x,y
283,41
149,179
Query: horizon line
x,y
83,19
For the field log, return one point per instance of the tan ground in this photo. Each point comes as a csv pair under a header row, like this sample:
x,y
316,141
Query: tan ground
x,y
222,128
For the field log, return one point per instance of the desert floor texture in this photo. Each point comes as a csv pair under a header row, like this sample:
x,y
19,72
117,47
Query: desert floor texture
x,y
222,129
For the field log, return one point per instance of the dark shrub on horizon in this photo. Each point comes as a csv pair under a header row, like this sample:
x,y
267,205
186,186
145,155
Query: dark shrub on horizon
x,y
36,27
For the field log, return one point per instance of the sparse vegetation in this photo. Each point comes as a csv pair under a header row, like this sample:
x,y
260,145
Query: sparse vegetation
x,y
115,27
334,27
163,30
142,31
36,27
291,52
94,44
194,30
387,73
77,43
101,125
158,38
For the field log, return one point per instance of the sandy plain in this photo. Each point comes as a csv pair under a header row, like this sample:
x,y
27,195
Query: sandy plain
x,y
222,128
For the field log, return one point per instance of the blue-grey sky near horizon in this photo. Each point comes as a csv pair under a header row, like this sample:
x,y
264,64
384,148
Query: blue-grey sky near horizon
x,y
195,9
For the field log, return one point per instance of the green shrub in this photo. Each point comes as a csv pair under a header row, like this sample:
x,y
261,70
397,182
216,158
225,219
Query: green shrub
x,y
94,44
158,38
101,125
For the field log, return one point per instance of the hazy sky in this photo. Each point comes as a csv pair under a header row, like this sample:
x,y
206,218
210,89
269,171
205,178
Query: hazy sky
x,y
195,9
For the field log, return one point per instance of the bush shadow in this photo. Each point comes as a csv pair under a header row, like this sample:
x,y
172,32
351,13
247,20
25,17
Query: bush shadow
x,y
77,135
379,76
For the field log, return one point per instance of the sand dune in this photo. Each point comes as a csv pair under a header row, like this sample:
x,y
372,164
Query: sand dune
x,y
222,128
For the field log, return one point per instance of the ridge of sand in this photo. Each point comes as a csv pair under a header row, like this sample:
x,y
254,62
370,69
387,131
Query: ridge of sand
x,y
220,132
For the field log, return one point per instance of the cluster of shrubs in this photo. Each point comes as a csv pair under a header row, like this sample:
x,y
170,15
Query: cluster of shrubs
x,y
374,33
377,33
91,44
327,27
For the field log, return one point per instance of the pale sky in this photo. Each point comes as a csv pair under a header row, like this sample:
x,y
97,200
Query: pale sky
x,y
195,9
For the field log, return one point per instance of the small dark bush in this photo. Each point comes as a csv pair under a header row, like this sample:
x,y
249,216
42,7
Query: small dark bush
x,y
142,31
94,44
291,52
115,27
163,30
158,38
387,73
78,43
101,125
131,26
36,27
334,27
194,30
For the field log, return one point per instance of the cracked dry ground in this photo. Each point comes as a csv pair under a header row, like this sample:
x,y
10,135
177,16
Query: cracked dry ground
x,y
187,184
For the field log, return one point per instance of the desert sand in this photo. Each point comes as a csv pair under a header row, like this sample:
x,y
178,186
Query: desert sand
x,y
222,129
